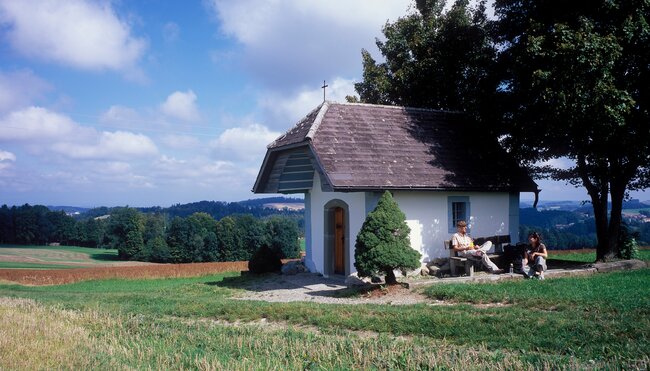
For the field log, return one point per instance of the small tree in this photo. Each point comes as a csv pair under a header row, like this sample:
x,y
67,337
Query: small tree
x,y
383,243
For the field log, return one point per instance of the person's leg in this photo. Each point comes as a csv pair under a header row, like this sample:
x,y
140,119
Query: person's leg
x,y
531,271
486,246
488,263
540,266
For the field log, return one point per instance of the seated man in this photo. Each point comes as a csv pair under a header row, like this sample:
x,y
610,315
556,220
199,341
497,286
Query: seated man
x,y
464,246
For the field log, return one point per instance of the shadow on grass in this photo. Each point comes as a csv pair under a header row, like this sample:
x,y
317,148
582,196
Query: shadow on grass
x,y
305,283
104,256
555,263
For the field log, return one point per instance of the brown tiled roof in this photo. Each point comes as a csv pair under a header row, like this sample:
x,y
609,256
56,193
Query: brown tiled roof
x,y
370,147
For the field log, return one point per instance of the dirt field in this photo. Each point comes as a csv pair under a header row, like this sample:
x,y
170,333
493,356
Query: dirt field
x,y
40,277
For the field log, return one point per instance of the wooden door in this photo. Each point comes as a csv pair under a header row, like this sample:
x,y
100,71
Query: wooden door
x,y
339,241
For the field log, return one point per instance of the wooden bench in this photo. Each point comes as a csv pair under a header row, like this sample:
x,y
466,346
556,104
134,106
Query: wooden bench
x,y
456,261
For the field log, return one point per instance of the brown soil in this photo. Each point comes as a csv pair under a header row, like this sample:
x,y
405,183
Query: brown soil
x,y
40,277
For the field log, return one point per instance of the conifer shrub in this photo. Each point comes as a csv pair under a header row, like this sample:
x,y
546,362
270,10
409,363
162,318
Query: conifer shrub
x,y
383,243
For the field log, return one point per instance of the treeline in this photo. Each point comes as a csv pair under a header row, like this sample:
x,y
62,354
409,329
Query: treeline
x,y
567,230
154,236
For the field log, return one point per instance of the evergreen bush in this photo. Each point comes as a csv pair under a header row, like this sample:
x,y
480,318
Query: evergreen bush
x,y
383,243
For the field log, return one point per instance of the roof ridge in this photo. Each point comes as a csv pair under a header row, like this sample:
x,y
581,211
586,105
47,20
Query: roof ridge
x,y
318,120
405,108
288,131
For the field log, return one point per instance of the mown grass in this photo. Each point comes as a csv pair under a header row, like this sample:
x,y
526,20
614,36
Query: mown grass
x,y
590,256
41,252
34,336
603,318
24,265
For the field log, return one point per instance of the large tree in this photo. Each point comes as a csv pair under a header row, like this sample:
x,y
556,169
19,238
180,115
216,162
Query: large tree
x,y
577,78
433,58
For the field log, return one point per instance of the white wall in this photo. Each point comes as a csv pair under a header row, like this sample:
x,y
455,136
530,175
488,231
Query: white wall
x,y
357,215
426,215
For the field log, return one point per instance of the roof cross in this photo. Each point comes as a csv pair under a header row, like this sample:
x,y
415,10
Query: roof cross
x,y
323,87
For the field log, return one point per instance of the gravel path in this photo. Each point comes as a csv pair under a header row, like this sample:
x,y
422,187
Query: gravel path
x,y
311,287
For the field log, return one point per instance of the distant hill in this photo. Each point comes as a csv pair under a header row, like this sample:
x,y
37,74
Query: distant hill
x,y
632,204
70,210
580,206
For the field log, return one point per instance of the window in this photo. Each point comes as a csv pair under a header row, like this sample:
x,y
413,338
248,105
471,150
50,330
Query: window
x,y
458,209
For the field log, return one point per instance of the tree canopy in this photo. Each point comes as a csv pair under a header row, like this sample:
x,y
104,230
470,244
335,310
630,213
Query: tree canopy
x,y
554,80
577,86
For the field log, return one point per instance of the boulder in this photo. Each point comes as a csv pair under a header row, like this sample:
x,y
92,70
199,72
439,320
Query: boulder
x,y
355,280
437,262
293,267
424,271
414,273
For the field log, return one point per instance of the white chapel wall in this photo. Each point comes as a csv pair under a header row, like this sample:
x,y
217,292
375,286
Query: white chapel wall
x,y
357,215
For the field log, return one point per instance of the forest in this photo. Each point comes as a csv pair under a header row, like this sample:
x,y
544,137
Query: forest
x,y
157,236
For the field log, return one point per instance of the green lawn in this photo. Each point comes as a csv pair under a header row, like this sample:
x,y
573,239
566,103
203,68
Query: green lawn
x,y
21,265
597,321
590,257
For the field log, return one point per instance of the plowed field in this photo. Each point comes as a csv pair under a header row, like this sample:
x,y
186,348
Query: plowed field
x,y
39,277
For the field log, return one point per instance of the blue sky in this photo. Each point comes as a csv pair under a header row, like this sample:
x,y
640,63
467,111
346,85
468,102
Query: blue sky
x,y
148,102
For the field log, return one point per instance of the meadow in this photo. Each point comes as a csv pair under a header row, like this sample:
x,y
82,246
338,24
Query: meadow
x,y
598,321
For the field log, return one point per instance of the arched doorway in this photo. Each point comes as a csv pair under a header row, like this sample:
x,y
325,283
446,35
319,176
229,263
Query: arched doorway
x,y
339,240
336,238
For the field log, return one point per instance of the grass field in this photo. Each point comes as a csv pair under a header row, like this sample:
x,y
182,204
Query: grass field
x,y
599,321
59,257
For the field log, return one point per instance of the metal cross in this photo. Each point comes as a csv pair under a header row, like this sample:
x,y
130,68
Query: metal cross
x,y
323,87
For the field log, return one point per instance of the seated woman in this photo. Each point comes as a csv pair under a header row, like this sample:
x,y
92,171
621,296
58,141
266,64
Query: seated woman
x,y
535,257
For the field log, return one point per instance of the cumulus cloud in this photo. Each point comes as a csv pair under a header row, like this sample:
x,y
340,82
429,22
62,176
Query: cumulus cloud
x,y
37,124
243,143
181,105
20,88
109,145
6,158
291,42
121,115
285,110
50,131
77,33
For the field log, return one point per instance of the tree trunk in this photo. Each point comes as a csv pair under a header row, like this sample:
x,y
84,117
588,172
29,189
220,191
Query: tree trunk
x,y
390,277
600,218
615,219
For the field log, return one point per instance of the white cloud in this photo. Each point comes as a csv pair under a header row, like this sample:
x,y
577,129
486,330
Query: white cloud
x,y
181,105
37,124
109,145
44,130
7,156
285,110
180,141
294,42
20,88
244,143
77,33
121,115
